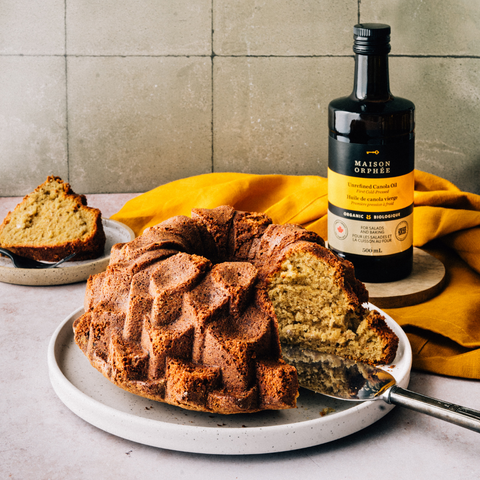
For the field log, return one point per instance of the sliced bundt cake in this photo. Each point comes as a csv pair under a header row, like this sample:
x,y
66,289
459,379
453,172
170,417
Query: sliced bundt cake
x,y
192,312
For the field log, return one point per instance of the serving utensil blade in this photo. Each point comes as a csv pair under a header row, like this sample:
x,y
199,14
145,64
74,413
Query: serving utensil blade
x,y
346,379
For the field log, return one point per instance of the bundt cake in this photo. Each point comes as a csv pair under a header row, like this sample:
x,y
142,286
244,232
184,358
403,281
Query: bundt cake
x,y
192,312
53,222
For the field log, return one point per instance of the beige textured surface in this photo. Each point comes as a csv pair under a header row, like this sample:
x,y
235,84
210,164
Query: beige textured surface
x,y
425,282
32,28
445,92
240,86
270,112
428,27
283,27
136,121
42,439
33,135
143,27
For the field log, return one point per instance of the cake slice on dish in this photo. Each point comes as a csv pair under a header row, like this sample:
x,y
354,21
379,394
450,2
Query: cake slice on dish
x,y
53,222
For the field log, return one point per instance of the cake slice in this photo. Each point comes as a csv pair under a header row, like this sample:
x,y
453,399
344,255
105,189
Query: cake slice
x,y
53,222
320,306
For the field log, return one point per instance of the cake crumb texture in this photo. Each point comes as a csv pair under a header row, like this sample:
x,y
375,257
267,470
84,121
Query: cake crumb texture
x,y
52,222
319,306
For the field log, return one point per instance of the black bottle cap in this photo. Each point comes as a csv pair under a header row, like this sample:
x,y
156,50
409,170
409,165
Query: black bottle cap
x,y
371,38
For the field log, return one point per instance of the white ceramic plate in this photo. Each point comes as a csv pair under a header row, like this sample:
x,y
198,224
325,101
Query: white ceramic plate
x,y
69,272
92,397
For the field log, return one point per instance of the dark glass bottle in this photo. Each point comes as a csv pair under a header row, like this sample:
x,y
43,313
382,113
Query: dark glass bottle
x,y
370,166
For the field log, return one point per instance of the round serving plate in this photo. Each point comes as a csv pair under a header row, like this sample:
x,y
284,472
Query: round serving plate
x,y
316,420
68,272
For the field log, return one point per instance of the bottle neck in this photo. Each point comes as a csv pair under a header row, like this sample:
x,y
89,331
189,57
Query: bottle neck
x,y
371,78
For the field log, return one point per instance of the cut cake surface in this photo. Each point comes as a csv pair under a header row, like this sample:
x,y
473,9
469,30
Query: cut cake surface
x,y
319,305
53,222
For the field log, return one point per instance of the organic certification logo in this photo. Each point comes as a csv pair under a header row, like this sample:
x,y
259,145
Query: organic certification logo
x,y
340,229
401,231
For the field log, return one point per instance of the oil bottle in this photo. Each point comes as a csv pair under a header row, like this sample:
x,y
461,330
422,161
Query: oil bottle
x,y
370,166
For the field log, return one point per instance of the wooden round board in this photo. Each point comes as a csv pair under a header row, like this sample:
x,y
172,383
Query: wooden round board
x,y
425,282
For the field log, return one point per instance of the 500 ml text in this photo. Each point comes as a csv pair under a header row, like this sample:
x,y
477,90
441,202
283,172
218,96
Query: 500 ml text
x,y
371,250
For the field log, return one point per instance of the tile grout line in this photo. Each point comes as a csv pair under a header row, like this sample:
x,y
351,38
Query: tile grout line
x,y
67,132
212,55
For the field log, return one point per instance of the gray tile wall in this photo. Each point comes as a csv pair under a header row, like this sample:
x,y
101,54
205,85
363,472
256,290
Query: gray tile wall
x,y
122,96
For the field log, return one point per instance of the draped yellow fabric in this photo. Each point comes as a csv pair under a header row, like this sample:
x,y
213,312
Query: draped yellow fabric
x,y
444,332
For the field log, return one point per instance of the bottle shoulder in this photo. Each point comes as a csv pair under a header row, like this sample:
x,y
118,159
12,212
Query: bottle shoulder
x,y
351,104
354,121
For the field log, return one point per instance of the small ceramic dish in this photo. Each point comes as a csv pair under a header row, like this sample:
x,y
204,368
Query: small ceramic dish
x,y
69,272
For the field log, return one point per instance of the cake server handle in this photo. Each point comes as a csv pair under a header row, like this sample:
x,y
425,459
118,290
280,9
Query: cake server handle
x,y
449,412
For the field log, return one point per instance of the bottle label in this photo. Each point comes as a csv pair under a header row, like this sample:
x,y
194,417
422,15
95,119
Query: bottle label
x,y
370,198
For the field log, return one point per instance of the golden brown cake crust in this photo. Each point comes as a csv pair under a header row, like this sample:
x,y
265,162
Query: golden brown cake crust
x,y
89,245
183,313
376,323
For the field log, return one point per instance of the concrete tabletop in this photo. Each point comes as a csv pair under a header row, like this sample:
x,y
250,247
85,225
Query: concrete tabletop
x,y
40,438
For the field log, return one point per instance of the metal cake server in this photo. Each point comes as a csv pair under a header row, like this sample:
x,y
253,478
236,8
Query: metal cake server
x,y
24,262
349,380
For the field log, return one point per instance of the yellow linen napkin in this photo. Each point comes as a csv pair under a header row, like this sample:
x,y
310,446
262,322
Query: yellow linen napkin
x,y
286,199
444,331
